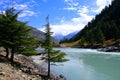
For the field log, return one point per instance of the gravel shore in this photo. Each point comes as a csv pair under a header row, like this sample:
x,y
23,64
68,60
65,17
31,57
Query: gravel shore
x,y
16,71
24,68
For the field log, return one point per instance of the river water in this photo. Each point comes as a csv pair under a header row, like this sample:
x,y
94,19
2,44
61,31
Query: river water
x,y
88,64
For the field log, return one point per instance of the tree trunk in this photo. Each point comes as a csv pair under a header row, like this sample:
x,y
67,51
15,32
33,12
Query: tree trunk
x,y
12,55
7,52
48,64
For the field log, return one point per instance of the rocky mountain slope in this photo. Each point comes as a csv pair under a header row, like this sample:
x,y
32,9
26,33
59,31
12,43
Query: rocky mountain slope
x,y
41,36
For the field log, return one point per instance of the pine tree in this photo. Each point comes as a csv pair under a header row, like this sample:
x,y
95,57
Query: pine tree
x,y
15,35
52,55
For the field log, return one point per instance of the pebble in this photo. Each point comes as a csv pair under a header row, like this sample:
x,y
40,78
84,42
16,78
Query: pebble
x,y
2,73
23,76
20,70
0,69
33,79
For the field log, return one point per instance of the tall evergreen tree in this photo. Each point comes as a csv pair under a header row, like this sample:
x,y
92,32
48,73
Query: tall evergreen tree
x,y
15,35
52,55
48,44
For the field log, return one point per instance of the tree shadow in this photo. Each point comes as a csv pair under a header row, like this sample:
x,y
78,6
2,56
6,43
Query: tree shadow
x,y
3,59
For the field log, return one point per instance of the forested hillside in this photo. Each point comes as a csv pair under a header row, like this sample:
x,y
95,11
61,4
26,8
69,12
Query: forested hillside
x,y
104,28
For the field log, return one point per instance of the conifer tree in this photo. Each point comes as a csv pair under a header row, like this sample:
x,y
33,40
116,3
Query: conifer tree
x,y
52,55
15,35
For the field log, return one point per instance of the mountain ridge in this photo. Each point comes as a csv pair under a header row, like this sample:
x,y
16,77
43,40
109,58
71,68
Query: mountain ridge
x,y
62,37
41,36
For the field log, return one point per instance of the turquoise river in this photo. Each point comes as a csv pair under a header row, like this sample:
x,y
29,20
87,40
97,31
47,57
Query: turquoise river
x,y
88,64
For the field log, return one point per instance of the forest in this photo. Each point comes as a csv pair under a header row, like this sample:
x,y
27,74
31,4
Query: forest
x,y
103,30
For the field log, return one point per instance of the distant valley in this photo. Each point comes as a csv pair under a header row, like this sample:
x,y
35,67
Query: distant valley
x,y
62,37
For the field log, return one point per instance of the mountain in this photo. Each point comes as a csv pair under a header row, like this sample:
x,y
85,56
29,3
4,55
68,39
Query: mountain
x,y
41,36
62,37
70,35
58,36
103,30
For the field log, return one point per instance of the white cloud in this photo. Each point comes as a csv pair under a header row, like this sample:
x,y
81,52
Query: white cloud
x,y
101,4
27,13
72,4
84,9
78,23
76,20
86,17
25,10
82,19
66,0
70,8
75,23
21,6
2,12
64,29
75,4
26,7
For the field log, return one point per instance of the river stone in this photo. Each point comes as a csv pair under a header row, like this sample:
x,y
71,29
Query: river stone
x,y
2,73
23,76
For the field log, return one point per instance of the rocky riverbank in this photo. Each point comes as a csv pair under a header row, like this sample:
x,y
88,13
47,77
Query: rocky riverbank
x,y
109,49
101,48
14,72
24,68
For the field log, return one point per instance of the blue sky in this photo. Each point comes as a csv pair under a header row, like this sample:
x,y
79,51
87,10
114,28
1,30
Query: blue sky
x,y
65,16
